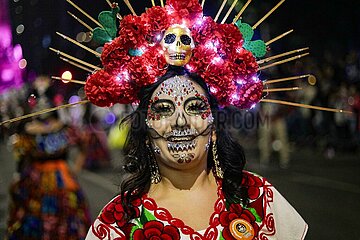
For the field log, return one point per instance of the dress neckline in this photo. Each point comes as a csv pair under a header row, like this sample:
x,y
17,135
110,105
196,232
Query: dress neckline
x,y
164,215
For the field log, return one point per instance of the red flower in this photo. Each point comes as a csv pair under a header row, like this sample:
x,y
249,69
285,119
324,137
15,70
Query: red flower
x,y
98,89
132,31
114,212
245,63
157,21
114,54
155,230
235,212
253,183
184,10
204,30
230,38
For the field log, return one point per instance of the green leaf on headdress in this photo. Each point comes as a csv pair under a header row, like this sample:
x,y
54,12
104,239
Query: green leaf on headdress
x,y
257,47
246,30
108,32
135,52
101,36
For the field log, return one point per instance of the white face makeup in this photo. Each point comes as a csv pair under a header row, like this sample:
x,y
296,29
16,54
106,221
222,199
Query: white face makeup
x,y
179,118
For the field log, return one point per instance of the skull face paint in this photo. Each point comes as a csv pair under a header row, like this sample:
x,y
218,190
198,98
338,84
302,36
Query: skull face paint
x,y
179,120
177,44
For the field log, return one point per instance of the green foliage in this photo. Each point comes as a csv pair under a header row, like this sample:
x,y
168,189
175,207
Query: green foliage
x,y
108,31
257,47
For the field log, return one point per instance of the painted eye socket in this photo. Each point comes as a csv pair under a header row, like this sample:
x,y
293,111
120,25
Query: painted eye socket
x,y
196,106
163,108
170,38
185,39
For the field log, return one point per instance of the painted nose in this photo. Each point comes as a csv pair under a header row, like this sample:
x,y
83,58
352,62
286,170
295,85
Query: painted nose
x,y
178,44
181,120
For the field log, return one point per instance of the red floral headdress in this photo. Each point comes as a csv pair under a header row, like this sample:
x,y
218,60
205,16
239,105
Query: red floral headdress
x,y
136,58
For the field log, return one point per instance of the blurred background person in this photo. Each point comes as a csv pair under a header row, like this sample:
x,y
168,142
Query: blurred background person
x,y
273,136
94,151
46,201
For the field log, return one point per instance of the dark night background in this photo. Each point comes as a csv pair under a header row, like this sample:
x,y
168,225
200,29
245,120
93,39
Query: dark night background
x,y
322,25
323,178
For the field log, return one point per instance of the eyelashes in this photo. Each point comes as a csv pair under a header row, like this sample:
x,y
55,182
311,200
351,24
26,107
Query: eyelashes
x,y
196,106
192,106
166,108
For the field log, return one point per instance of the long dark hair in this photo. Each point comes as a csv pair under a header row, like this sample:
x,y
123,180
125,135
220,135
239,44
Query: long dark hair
x,y
138,156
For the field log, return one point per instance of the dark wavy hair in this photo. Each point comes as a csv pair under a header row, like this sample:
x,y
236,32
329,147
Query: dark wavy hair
x,y
138,156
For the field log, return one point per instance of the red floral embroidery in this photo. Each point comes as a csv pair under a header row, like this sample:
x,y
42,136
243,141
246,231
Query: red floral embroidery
x,y
236,211
253,183
156,230
114,212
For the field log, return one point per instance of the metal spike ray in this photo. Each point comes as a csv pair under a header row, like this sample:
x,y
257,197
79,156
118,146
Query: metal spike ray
x,y
282,89
128,4
229,11
304,106
77,65
241,11
83,12
286,79
220,10
283,61
78,44
268,14
43,112
281,55
80,21
74,58
278,37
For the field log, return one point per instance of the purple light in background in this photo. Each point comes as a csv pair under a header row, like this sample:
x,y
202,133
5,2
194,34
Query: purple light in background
x,y
11,75
110,118
74,99
7,75
17,52
6,37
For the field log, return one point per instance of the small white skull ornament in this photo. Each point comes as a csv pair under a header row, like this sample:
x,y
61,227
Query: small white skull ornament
x,y
177,44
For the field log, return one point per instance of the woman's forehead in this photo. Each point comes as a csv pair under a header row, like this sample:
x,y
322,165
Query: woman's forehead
x,y
178,87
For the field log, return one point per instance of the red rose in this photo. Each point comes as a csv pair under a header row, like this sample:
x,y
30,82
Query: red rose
x,y
235,212
114,212
155,230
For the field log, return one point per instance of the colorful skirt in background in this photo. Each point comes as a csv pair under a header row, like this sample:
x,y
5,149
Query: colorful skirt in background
x,y
47,203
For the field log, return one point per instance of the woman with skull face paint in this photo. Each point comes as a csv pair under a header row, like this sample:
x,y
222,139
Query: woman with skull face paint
x,y
186,177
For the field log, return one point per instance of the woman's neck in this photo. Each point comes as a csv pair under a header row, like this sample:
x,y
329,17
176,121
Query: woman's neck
x,y
183,181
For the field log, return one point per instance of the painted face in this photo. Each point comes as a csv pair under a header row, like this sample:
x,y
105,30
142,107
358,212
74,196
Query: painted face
x,y
179,120
177,44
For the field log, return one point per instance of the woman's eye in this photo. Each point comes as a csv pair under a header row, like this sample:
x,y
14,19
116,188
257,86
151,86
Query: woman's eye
x,y
196,107
164,109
